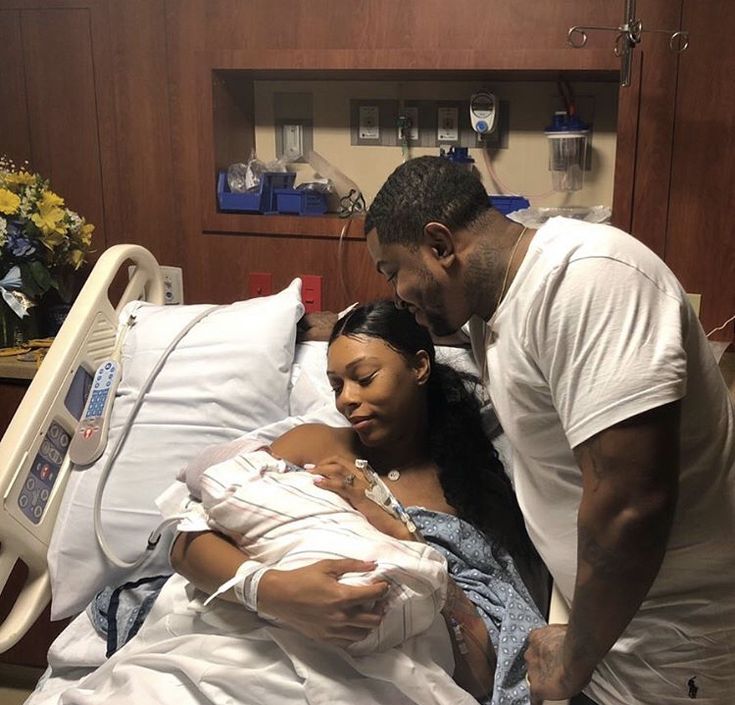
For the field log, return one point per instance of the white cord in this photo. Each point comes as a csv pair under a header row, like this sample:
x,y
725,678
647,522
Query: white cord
x,y
156,534
714,330
340,259
117,350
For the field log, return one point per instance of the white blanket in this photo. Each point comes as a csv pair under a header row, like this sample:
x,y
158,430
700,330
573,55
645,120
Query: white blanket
x,y
186,654
282,519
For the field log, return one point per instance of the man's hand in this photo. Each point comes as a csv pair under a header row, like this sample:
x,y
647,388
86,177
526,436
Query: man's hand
x,y
548,677
315,326
313,602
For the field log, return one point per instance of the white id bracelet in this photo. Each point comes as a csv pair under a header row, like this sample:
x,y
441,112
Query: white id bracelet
x,y
244,584
246,589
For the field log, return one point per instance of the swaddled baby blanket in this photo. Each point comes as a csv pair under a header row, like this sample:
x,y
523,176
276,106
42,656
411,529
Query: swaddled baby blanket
x,y
282,519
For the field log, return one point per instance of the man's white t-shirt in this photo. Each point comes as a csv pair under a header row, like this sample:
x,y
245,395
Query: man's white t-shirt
x,y
593,330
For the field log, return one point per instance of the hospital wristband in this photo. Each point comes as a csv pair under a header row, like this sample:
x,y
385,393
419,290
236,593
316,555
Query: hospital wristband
x,y
246,589
244,585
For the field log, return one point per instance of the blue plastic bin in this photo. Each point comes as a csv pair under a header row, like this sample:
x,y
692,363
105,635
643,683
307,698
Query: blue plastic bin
x,y
508,204
301,201
262,201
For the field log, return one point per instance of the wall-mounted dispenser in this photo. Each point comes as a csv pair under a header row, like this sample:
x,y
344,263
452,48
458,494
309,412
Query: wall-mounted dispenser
x,y
567,136
483,113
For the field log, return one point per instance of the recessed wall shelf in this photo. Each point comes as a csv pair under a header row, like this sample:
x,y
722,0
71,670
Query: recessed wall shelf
x,y
227,123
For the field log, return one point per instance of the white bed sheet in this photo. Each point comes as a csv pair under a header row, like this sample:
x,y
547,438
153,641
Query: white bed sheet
x,y
75,653
254,663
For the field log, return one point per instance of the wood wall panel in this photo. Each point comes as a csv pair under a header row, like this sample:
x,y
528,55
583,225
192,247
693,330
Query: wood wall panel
x,y
701,234
62,114
348,273
655,123
495,26
139,80
626,147
15,138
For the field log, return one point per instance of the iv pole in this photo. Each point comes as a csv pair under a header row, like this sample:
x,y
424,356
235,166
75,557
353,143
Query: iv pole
x,y
628,35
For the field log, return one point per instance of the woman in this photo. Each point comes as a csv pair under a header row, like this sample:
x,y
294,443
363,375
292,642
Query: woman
x,y
419,427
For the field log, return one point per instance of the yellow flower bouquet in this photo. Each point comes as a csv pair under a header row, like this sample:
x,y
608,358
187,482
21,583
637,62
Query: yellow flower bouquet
x,y
41,240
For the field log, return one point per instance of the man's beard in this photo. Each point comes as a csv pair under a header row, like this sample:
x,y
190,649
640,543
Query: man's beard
x,y
436,317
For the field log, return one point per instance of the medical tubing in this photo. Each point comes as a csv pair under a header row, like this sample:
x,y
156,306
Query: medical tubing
x,y
714,330
493,175
104,475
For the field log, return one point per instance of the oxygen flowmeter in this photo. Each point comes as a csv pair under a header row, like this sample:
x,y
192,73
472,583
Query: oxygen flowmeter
x,y
483,112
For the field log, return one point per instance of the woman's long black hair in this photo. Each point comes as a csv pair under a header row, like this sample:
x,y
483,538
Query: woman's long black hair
x,y
471,474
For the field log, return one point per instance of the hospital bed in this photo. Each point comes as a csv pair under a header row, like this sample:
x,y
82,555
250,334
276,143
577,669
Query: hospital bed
x,y
216,386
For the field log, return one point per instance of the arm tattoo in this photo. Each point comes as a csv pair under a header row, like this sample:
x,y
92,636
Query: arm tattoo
x,y
590,455
606,562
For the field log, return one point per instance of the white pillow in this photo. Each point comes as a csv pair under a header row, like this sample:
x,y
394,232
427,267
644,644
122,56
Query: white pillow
x,y
310,389
229,375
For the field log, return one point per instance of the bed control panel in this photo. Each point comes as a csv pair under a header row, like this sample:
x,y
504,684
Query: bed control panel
x,y
90,438
44,471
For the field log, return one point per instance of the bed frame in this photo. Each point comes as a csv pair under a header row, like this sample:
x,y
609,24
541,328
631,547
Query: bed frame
x,y
34,467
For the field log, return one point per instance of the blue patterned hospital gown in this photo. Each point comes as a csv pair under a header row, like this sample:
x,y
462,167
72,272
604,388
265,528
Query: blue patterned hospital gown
x,y
488,577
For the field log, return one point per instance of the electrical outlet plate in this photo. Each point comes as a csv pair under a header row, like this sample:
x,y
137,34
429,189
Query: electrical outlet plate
x,y
369,123
311,292
293,141
412,113
447,124
260,284
173,285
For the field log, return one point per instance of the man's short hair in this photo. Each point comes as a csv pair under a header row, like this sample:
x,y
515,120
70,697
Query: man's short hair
x,y
421,191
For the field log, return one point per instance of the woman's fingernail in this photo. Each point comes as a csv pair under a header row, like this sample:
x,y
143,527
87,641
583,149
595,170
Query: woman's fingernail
x,y
309,466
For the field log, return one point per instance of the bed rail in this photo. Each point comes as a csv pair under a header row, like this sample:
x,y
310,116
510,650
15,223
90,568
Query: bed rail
x,y
34,468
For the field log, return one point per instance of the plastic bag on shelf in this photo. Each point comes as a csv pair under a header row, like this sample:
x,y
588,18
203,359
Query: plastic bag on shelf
x,y
244,178
319,185
236,177
277,164
534,217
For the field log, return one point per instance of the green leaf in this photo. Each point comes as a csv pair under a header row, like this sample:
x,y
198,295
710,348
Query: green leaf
x,y
30,287
41,276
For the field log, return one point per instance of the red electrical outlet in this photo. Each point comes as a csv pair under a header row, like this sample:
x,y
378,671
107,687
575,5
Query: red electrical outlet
x,y
311,292
260,284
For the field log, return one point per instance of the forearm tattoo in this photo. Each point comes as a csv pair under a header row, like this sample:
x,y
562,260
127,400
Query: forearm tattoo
x,y
606,562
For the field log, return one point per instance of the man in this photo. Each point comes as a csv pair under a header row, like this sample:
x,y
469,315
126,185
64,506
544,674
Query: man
x,y
622,427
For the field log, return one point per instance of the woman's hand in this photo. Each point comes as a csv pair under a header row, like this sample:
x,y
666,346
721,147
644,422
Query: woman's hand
x,y
339,475
314,602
